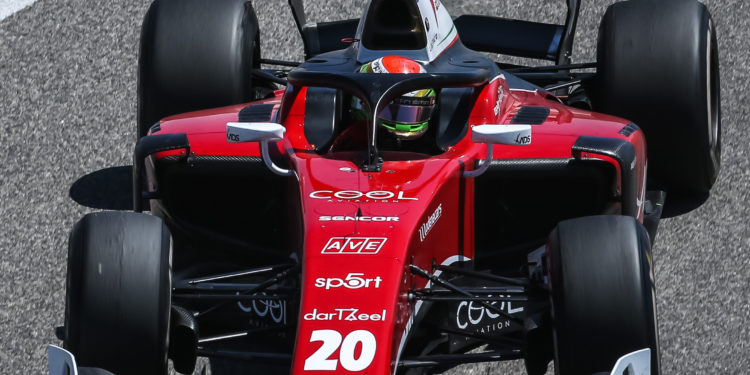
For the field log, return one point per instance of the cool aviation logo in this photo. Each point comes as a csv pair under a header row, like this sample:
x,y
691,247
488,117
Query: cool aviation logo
x,y
353,245
275,309
471,314
358,196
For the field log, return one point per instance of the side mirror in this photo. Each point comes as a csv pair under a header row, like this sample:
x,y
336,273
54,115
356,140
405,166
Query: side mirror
x,y
263,132
239,132
512,135
515,135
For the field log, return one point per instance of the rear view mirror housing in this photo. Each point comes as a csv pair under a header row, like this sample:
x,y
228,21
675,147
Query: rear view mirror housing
x,y
263,132
511,135
240,132
514,135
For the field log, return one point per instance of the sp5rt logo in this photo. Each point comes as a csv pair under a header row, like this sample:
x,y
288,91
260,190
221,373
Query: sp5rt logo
x,y
352,281
354,245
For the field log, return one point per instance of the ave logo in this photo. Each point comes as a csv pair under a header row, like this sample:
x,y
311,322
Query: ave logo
x,y
353,245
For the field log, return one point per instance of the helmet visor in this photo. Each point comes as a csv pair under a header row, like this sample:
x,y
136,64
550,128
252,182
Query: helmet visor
x,y
408,110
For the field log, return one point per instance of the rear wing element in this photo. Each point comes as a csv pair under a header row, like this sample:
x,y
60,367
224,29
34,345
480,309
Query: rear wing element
x,y
481,33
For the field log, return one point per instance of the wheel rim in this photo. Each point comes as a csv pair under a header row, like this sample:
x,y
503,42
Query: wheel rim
x,y
712,104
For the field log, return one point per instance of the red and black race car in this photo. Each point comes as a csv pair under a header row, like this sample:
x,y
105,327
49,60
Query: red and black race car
x,y
325,218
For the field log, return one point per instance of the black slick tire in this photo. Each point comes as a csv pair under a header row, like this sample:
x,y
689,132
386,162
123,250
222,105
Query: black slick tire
x,y
603,301
195,54
658,66
118,293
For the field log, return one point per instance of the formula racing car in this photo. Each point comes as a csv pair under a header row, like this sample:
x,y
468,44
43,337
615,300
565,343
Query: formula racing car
x,y
398,203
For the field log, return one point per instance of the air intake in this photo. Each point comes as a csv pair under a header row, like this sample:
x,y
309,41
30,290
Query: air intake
x,y
531,115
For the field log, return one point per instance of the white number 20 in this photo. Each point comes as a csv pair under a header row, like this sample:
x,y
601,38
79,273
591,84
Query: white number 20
x,y
331,341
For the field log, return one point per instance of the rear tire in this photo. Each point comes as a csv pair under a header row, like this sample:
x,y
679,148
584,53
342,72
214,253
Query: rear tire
x,y
118,293
603,302
195,54
658,66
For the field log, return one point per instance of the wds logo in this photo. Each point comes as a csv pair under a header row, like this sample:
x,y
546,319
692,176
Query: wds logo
x,y
353,245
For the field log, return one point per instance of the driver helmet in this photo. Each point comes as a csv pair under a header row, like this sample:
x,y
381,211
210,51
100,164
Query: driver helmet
x,y
407,116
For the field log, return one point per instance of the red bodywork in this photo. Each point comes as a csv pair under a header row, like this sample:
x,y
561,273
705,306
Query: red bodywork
x,y
412,212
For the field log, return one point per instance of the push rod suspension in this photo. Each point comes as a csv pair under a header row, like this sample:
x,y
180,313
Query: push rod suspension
x,y
438,360
262,286
482,275
477,299
437,280
230,297
552,68
232,275
247,356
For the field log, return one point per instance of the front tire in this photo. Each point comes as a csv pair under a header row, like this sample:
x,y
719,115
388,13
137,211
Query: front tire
x,y
603,301
118,293
658,66
195,54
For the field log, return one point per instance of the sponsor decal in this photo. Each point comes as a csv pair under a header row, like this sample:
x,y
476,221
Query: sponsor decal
x,y
424,230
351,281
347,346
523,140
432,42
233,137
473,314
358,196
377,66
435,7
262,308
358,218
344,315
353,245
500,95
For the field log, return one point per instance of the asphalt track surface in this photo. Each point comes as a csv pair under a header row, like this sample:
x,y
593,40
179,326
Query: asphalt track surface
x,y
67,109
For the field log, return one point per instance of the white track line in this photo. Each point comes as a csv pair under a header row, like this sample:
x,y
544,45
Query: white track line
x,y
8,7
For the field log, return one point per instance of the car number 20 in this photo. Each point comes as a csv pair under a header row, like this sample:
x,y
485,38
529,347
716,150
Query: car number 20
x,y
332,341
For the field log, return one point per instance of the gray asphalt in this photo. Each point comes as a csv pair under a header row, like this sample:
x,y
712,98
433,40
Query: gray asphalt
x,y
67,109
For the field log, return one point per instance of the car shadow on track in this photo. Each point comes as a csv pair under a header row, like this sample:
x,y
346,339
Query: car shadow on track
x,y
105,189
677,205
